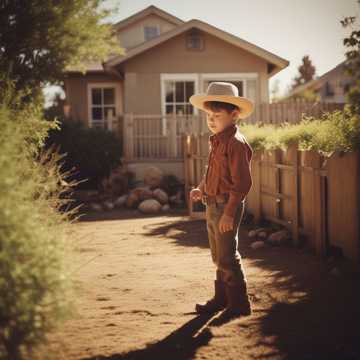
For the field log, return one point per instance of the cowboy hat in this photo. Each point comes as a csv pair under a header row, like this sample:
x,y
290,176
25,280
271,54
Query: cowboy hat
x,y
226,92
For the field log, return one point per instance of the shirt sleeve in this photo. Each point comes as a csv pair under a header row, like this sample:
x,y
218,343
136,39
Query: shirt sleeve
x,y
240,154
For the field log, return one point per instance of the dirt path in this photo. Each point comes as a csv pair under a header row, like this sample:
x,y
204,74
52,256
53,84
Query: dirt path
x,y
146,273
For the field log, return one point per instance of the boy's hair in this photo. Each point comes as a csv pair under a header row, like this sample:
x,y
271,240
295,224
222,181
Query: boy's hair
x,y
220,105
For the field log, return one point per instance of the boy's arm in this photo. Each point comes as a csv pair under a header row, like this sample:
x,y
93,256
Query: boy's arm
x,y
240,154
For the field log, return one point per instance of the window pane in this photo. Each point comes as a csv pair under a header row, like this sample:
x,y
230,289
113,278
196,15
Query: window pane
x,y
179,91
169,91
180,109
97,113
239,85
189,109
169,109
151,32
189,89
96,96
109,96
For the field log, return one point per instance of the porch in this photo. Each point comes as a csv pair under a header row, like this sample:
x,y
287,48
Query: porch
x,y
157,139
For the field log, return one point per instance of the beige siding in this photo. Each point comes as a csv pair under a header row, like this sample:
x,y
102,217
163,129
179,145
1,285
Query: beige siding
x,y
76,87
142,73
133,34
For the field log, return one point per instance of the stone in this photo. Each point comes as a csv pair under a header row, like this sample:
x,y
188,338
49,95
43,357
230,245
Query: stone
x,y
257,244
161,196
150,206
96,207
121,200
278,237
132,201
108,205
153,176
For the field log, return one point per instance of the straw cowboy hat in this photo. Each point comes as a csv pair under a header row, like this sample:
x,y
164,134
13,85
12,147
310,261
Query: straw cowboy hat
x,y
226,92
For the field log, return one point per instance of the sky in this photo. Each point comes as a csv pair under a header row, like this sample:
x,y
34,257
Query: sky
x,y
287,28
290,29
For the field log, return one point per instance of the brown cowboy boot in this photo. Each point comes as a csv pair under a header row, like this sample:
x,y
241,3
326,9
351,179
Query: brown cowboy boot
x,y
216,303
238,302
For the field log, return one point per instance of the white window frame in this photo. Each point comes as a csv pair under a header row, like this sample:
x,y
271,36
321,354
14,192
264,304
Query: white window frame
x,y
180,77
227,77
157,26
96,85
199,78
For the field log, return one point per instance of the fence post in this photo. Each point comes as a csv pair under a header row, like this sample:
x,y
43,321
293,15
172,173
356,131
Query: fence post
x,y
186,140
257,184
129,136
295,191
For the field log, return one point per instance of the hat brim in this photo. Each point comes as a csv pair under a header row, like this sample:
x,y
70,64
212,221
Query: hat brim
x,y
246,105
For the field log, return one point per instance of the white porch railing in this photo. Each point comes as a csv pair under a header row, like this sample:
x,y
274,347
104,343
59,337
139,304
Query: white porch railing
x,y
157,136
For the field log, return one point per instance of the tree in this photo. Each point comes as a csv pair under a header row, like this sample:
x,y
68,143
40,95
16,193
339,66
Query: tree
x,y
306,72
352,63
39,39
275,91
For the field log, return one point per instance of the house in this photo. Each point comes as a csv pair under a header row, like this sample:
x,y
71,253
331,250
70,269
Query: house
x,y
331,87
147,88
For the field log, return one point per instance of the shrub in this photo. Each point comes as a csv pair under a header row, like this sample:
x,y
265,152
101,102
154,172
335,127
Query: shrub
x,y
34,277
92,153
333,131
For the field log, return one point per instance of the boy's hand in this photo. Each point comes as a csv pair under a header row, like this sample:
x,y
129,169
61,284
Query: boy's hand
x,y
195,194
226,223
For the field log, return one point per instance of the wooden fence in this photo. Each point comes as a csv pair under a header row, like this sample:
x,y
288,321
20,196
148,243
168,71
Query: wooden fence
x,y
291,111
159,136
316,198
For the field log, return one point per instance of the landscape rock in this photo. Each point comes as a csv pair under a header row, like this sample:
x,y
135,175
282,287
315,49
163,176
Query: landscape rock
x,y
96,207
150,206
133,200
121,200
108,205
257,244
161,196
278,237
153,176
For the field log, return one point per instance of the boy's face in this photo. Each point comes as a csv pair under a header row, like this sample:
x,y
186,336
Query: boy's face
x,y
220,119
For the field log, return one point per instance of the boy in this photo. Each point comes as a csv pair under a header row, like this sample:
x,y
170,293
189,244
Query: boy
x,y
223,189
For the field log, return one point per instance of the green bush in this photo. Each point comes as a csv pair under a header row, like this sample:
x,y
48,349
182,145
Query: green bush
x,y
34,273
91,152
333,131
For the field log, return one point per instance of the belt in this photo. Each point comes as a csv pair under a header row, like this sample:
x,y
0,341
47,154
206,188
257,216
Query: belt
x,y
214,199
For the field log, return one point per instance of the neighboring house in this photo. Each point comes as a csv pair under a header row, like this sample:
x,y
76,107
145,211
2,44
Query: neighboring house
x,y
165,62
331,87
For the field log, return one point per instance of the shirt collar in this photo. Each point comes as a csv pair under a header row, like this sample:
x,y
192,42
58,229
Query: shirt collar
x,y
224,135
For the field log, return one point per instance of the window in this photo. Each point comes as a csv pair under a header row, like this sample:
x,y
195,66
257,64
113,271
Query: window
x,y
238,84
151,32
177,94
102,105
194,41
328,89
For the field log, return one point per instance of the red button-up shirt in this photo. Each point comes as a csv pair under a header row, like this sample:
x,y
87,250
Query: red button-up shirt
x,y
228,170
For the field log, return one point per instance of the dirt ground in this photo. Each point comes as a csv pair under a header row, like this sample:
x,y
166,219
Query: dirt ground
x,y
141,276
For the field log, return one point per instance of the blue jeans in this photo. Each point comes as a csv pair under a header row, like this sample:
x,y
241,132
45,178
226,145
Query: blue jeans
x,y
224,246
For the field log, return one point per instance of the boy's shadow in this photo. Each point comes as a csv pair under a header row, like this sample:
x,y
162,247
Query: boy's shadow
x,y
181,344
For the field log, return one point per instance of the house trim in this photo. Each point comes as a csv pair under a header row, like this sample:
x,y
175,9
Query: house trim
x,y
227,77
279,62
93,85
